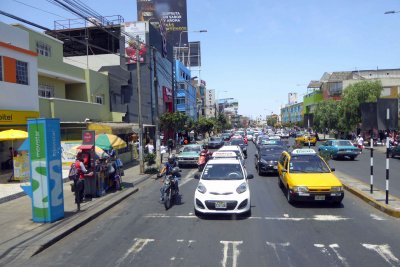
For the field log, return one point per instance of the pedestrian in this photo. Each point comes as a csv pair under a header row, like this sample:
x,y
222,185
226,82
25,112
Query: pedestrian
x,y
150,147
360,143
79,183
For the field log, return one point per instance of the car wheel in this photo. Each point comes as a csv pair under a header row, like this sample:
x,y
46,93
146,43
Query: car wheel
x,y
280,182
259,171
289,196
352,158
198,213
247,213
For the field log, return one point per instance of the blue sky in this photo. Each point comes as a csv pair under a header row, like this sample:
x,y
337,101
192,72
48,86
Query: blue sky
x,y
258,51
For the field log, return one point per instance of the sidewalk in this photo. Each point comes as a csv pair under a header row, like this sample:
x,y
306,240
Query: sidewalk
x,y
376,199
21,238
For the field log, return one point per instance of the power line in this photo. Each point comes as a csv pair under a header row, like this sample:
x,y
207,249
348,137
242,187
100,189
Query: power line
x,y
25,4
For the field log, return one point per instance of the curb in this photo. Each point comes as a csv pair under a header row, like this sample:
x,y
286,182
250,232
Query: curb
x,y
371,200
55,237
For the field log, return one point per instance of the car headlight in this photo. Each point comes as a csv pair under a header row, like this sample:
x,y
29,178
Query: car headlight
x,y
300,189
201,188
336,188
242,188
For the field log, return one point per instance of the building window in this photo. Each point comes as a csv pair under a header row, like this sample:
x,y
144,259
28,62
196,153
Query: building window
x,y
335,88
22,72
46,90
1,68
43,49
100,99
180,100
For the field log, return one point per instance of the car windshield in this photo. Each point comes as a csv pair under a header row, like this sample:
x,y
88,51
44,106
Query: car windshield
x,y
307,164
223,172
237,142
192,149
343,143
266,151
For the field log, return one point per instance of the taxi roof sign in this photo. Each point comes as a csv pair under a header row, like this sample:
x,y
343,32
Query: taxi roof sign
x,y
269,142
224,154
304,151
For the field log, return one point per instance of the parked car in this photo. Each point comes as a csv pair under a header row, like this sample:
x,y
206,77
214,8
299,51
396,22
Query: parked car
x,y
305,176
340,149
215,142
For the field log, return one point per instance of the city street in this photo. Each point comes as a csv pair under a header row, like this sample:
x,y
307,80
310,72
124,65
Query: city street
x,y
140,232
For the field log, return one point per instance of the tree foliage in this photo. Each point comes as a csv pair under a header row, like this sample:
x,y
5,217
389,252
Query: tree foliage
x,y
326,115
205,125
176,120
353,95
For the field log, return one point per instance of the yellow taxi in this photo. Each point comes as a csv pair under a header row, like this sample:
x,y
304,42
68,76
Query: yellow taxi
x,y
307,138
307,177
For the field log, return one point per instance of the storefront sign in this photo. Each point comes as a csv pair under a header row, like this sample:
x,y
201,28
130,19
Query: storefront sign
x,y
46,170
88,137
167,93
8,117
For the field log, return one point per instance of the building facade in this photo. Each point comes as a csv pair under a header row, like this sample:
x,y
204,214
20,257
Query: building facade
x,y
292,113
185,92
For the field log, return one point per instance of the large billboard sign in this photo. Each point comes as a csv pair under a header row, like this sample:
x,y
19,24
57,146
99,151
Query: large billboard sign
x,y
135,29
172,12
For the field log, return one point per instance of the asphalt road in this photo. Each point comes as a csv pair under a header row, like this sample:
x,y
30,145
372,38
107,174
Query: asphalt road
x,y
139,232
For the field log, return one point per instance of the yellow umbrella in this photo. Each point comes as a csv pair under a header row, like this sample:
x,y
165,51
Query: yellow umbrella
x,y
108,141
12,135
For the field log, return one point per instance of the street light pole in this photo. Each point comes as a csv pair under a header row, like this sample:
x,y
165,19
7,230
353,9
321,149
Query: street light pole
x,y
180,39
141,161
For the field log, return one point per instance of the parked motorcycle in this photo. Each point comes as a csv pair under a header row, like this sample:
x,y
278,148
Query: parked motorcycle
x,y
170,187
203,158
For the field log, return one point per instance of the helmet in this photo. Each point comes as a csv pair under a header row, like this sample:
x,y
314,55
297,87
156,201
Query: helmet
x,y
171,158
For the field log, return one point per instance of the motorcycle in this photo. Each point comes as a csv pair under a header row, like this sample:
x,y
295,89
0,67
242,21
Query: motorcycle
x,y
170,187
203,158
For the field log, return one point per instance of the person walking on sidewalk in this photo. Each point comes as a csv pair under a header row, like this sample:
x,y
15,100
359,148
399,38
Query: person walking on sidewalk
x,y
360,143
79,183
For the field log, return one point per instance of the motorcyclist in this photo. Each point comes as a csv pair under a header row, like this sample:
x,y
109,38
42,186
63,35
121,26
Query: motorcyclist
x,y
167,169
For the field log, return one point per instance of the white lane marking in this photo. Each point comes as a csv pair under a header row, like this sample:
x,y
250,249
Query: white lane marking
x,y
180,240
139,244
322,248
324,218
385,252
378,218
274,247
334,247
188,177
286,215
235,252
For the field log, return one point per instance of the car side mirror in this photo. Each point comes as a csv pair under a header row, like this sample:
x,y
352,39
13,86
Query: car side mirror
x,y
196,176
250,176
333,169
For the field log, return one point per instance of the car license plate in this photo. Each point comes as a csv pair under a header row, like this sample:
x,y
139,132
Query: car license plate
x,y
220,205
319,198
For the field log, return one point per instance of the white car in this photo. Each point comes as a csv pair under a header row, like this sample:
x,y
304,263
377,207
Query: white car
x,y
223,188
235,149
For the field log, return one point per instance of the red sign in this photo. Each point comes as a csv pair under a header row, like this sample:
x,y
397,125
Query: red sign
x,y
167,93
88,137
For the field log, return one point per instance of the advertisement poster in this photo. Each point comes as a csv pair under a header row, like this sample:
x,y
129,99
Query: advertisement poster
x,y
21,167
172,12
68,153
135,29
46,172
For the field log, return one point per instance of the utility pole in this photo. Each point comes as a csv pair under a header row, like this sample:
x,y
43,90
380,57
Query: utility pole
x,y
157,120
141,144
